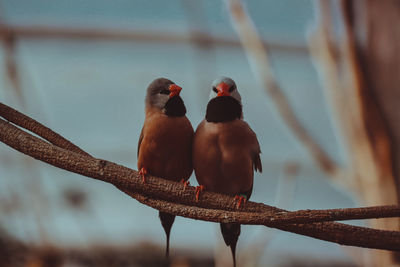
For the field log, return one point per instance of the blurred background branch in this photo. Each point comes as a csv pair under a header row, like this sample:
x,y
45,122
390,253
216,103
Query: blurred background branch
x,y
34,32
257,55
351,65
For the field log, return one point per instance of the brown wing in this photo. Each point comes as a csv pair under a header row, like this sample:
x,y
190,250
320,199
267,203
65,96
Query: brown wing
x,y
257,162
257,166
140,141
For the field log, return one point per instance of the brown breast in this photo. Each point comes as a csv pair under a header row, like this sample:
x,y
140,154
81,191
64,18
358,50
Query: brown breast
x,y
166,147
222,156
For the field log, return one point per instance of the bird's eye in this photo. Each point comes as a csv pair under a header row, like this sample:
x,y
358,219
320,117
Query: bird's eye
x,y
231,89
165,92
215,90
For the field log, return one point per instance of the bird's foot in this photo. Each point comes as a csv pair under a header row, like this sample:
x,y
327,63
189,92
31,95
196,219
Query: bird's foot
x,y
143,173
185,184
240,199
199,189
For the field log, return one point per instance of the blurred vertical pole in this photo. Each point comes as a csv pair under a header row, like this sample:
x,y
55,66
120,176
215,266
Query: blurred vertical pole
x,y
8,40
354,45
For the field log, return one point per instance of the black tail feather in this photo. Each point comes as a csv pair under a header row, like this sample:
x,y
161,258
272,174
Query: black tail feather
x,y
233,249
166,220
230,233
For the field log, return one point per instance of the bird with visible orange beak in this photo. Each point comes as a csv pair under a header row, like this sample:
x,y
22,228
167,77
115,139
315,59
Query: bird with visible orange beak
x,y
226,152
165,143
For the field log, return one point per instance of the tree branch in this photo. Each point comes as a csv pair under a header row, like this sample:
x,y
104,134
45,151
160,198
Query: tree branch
x,y
171,197
30,124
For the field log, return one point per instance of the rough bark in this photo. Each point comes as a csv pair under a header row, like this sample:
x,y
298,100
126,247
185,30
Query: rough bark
x,y
171,197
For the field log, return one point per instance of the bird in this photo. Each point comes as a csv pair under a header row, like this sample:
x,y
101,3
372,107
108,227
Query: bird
x,y
226,152
165,142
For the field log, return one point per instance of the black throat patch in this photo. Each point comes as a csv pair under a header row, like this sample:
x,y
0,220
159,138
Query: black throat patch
x,y
223,109
175,107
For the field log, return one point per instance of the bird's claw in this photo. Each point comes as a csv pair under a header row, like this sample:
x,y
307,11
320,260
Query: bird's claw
x,y
185,184
199,189
240,199
143,173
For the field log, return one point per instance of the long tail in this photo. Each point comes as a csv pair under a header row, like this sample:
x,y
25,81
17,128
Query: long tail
x,y
166,220
230,233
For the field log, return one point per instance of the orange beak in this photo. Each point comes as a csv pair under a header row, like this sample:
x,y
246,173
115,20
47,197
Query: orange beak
x,y
174,89
223,89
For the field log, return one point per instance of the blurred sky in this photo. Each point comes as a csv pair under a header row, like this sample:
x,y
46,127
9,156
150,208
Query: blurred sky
x,y
92,92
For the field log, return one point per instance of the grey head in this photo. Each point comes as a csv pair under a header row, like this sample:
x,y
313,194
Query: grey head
x,y
225,103
225,86
163,94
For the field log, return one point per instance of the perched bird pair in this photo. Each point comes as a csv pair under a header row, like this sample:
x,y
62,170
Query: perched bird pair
x,y
223,151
